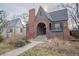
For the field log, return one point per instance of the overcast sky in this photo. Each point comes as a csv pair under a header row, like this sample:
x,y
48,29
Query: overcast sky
x,y
19,8
14,9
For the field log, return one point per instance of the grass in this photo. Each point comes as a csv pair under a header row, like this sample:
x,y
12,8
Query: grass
x,y
5,48
41,52
47,52
54,48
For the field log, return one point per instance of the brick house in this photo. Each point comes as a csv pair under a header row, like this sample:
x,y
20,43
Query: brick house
x,y
53,24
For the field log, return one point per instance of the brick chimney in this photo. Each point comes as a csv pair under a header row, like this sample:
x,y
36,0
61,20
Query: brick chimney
x,y
31,23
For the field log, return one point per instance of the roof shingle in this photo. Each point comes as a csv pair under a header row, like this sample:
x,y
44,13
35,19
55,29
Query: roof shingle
x,y
58,15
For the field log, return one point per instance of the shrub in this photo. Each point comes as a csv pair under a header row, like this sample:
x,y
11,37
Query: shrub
x,y
19,43
1,38
27,41
24,38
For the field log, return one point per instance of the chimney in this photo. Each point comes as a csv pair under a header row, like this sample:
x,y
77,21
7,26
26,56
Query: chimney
x,y
31,23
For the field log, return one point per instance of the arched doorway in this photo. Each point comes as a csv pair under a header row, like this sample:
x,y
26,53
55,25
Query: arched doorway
x,y
41,29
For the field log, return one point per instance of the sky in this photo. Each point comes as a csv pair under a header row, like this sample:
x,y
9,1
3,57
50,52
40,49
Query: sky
x,y
14,9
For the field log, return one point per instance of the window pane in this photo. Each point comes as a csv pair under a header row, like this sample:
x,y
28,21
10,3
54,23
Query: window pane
x,y
11,30
20,29
57,26
49,26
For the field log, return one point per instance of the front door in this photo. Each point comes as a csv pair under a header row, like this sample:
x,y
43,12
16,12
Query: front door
x,y
41,29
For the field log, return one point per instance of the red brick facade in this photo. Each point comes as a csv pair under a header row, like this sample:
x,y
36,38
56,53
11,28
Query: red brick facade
x,y
66,31
33,23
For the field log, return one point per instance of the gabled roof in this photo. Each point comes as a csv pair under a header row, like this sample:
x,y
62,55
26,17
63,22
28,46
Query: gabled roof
x,y
42,11
58,15
14,22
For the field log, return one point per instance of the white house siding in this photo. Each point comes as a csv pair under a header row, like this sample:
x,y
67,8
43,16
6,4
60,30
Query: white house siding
x,y
16,29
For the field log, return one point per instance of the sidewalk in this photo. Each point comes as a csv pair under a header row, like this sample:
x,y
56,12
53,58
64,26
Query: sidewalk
x,y
18,51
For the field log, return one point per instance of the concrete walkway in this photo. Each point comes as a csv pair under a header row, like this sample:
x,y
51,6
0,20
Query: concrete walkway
x,y
18,51
34,42
42,38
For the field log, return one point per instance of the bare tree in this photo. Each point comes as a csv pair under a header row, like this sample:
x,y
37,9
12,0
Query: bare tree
x,y
3,22
73,12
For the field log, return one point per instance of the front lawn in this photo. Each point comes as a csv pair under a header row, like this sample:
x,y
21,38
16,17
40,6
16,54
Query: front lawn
x,y
5,47
8,44
47,52
41,52
54,48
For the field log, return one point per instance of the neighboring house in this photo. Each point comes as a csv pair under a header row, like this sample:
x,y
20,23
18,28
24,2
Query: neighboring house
x,y
53,24
14,27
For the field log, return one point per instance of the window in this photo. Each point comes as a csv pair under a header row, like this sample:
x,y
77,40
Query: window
x,y
20,29
49,26
40,14
0,30
11,30
57,26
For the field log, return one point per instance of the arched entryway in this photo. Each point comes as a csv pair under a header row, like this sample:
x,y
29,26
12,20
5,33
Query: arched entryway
x,y
41,29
